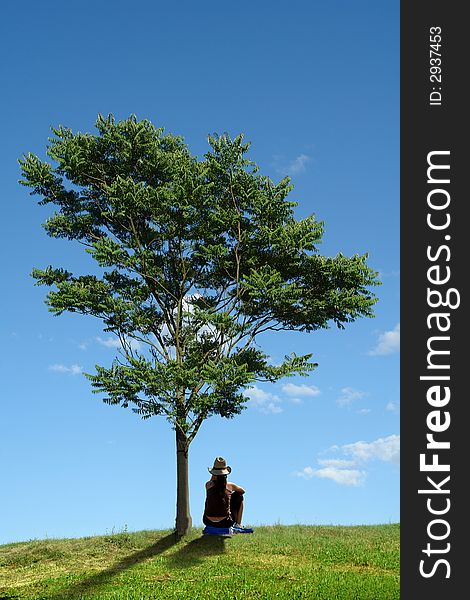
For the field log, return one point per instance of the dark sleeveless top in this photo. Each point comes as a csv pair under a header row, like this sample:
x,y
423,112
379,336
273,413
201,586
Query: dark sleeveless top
x,y
216,504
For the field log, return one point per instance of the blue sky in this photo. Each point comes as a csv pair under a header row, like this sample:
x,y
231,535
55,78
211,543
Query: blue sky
x,y
315,87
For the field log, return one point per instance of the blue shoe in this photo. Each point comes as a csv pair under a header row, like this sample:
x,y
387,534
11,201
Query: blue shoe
x,y
237,528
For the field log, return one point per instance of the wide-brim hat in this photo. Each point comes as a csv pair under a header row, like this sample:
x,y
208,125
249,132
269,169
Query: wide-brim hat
x,y
220,467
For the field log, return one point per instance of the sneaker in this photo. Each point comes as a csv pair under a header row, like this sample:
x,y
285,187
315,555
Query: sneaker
x,y
240,529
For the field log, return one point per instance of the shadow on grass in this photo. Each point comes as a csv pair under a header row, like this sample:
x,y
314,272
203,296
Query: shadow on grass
x,y
194,552
87,586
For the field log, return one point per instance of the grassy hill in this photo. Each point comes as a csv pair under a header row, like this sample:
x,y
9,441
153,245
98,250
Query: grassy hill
x,y
285,562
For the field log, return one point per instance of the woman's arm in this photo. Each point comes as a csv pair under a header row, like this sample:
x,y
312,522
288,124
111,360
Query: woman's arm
x,y
235,488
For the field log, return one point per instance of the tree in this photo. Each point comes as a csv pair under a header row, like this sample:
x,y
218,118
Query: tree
x,y
197,258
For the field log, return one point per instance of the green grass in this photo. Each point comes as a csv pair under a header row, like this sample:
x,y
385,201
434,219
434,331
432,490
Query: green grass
x,y
286,562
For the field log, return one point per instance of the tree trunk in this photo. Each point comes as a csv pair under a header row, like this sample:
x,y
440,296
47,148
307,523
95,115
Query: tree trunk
x,y
183,514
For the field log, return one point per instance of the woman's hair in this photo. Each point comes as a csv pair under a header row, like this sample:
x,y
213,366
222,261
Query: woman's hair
x,y
220,484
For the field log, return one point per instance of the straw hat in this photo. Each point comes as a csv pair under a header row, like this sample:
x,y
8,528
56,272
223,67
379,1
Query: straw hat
x,y
220,467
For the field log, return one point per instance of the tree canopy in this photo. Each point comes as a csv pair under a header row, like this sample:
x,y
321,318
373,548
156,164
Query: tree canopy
x,y
197,258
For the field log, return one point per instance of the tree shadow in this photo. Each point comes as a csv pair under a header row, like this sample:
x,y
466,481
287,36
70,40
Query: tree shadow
x,y
86,586
196,551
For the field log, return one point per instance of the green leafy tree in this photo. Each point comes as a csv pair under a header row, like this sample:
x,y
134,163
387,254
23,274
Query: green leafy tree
x,y
197,258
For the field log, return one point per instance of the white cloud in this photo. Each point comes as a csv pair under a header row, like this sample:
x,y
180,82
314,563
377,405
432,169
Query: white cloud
x,y
256,394
392,406
265,402
294,167
364,411
351,471
392,273
340,463
291,389
43,337
298,164
271,407
348,395
388,343
385,449
270,403
109,342
72,370
342,476
115,342
306,473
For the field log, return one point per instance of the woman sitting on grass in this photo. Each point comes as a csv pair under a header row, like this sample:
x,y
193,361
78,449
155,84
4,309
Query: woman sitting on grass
x,y
224,500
